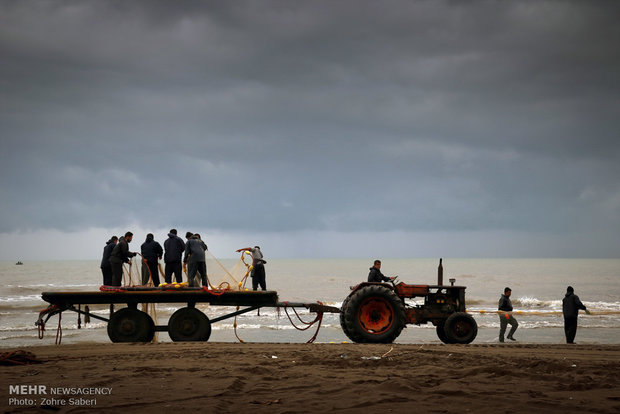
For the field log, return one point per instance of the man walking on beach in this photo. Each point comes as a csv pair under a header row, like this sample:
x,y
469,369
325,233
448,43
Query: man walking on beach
x,y
174,247
570,308
505,316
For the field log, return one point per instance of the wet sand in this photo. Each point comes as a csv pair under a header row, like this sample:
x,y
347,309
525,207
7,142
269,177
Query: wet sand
x,y
317,378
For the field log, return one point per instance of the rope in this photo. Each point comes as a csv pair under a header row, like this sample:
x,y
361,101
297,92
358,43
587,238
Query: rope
x,y
59,330
319,319
241,286
539,313
41,329
249,268
41,323
235,327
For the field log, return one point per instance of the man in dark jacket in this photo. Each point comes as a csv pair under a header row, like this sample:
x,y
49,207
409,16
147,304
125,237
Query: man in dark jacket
x,y
505,316
570,308
174,247
151,252
195,260
106,268
375,274
120,254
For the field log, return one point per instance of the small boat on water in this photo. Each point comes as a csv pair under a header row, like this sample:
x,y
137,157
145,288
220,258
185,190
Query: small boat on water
x,y
19,263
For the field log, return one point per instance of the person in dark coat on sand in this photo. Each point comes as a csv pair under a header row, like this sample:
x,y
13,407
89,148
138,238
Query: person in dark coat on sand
x,y
106,267
570,308
505,316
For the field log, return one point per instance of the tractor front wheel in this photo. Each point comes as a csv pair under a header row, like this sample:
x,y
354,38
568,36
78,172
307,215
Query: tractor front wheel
x,y
441,332
460,328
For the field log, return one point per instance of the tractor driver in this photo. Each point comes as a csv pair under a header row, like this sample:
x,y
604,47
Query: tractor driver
x,y
375,274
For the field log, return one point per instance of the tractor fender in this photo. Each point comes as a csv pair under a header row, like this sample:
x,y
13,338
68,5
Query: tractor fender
x,y
363,284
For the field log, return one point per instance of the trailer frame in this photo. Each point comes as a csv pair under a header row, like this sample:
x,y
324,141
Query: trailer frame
x,y
129,324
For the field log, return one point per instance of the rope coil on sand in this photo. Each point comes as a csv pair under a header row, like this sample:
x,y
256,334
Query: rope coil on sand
x,y
18,357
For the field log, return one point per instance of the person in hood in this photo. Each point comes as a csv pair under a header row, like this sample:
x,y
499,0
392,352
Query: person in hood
x,y
151,252
505,316
174,247
570,309
106,267
120,254
375,274
195,260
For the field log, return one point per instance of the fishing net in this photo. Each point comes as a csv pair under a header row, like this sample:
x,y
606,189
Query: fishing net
x,y
136,273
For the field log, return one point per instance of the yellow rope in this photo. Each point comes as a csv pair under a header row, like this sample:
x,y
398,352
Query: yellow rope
x,y
538,313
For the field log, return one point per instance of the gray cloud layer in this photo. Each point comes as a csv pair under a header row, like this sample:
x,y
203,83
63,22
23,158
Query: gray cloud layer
x,y
286,116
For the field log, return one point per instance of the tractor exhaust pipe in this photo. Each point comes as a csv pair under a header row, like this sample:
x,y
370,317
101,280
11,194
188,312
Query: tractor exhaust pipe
x,y
440,274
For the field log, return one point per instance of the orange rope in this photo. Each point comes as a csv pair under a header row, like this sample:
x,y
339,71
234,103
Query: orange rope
x,y
59,330
319,319
18,357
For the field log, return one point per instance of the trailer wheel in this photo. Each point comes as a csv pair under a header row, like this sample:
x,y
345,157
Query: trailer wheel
x,y
131,325
374,314
460,328
189,324
441,333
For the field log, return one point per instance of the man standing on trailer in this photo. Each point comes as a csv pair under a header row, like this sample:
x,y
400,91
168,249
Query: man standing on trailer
x,y
505,316
106,267
258,268
195,260
151,253
174,247
120,254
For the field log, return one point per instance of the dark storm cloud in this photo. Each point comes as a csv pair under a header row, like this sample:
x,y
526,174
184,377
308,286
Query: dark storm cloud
x,y
318,115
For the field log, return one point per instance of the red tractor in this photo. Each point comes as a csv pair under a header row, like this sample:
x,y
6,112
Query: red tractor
x,y
378,312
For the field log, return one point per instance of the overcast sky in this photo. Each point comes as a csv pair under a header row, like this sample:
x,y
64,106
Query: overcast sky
x,y
315,129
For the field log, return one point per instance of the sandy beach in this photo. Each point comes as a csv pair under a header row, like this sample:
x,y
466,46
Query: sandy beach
x,y
313,378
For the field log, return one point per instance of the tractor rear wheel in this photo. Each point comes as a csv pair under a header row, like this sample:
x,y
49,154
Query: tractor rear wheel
x,y
460,328
373,314
345,303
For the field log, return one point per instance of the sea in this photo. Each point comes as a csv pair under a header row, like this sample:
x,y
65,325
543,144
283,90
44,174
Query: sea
x,y
538,286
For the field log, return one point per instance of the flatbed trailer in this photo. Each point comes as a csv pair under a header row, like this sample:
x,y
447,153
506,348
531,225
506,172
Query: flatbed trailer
x,y
129,324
